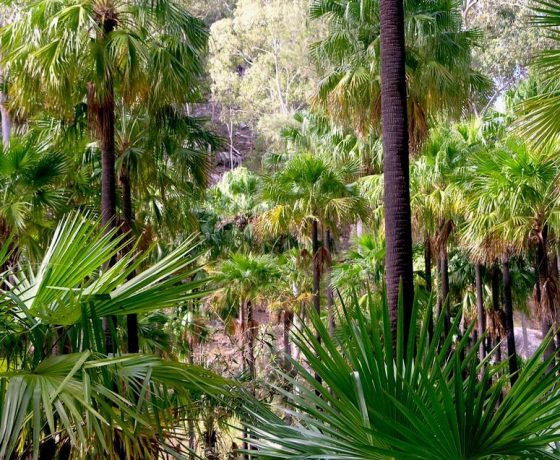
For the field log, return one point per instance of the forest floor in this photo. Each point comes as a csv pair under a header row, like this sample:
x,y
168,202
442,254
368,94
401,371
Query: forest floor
x,y
222,352
534,340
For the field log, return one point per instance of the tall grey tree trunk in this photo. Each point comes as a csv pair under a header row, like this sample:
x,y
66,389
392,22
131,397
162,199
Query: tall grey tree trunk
x,y
525,333
359,228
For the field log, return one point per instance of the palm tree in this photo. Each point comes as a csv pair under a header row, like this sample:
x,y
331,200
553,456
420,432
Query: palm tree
x,y
169,151
526,179
437,62
86,398
33,181
435,203
395,133
242,280
370,70
363,265
307,197
104,53
169,154
377,403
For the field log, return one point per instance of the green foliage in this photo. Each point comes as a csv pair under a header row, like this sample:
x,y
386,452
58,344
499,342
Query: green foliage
x,y
88,398
440,76
521,176
153,54
419,399
244,277
308,189
32,176
259,64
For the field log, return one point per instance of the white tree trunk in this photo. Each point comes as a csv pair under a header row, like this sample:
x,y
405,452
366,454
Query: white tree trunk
x,y
359,228
6,120
524,331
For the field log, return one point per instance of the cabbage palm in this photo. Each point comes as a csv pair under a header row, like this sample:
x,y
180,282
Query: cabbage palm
x,y
363,265
160,159
539,113
308,196
32,184
103,52
242,280
439,72
525,179
376,403
337,144
434,198
169,155
87,399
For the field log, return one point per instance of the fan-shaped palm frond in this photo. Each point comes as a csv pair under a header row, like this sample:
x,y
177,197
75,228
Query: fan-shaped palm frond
x,y
440,75
374,401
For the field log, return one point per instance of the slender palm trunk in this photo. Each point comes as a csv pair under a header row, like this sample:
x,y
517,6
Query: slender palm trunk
x,y
543,290
508,321
496,317
316,278
480,309
428,264
243,335
243,330
444,284
287,318
396,162
128,217
329,289
428,280
554,275
101,102
251,333
316,267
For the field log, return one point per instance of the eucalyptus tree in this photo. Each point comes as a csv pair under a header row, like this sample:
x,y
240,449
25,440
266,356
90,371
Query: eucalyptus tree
x,y
539,120
307,197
